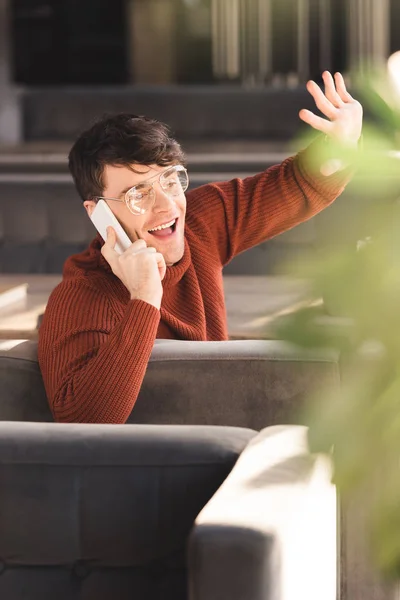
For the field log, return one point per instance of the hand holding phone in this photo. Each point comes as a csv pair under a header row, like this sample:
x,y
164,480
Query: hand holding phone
x,y
102,217
141,269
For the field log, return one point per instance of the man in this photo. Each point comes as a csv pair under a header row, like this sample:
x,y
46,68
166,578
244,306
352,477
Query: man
x,y
102,320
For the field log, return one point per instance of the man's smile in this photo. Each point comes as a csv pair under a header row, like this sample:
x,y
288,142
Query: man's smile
x,y
164,230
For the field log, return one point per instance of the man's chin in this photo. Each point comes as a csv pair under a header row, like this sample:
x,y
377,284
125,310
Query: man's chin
x,y
172,252
172,258
173,261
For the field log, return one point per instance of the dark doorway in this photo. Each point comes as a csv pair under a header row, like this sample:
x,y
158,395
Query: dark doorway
x,y
68,42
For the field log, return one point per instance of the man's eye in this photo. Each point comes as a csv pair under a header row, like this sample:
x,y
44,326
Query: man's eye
x,y
138,195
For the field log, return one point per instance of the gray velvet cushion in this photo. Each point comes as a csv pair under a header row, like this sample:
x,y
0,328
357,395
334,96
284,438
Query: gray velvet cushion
x,y
239,383
103,512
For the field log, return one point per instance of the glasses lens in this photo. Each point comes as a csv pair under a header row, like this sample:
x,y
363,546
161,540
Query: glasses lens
x,y
139,198
175,180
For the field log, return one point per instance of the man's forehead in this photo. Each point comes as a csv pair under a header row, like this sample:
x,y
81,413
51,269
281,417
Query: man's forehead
x,y
118,177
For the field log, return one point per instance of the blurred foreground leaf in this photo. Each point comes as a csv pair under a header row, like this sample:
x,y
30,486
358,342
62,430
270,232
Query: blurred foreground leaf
x,y
360,286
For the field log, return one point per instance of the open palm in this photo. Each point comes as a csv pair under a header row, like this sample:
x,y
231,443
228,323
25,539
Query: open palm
x,y
344,114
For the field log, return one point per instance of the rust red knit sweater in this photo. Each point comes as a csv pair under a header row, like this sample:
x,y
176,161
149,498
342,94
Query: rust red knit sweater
x,y
95,342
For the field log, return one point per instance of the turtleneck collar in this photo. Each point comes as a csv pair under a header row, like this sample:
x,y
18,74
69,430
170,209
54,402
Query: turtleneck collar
x,y
175,273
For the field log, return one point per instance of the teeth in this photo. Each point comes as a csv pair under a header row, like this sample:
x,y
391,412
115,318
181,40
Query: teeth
x,y
163,226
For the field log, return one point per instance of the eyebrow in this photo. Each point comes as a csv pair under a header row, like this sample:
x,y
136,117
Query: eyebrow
x,y
123,192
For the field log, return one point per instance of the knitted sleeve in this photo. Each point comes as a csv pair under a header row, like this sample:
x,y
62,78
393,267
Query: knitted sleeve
x,y
93,360
242,213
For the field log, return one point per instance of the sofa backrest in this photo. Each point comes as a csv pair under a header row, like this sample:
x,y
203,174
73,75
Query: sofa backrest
x,y
239,383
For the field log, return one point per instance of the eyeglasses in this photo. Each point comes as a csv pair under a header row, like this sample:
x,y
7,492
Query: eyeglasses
x,y
141,197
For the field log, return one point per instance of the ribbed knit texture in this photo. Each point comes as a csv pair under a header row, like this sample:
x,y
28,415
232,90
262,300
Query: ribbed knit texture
x,y
95,343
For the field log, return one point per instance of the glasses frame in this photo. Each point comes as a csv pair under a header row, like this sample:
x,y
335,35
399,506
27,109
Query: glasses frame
x,y
156,178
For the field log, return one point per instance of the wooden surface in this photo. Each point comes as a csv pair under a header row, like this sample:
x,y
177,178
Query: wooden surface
x,y
19,320
252,303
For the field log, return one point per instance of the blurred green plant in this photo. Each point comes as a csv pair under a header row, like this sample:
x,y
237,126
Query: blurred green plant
x,y
360,284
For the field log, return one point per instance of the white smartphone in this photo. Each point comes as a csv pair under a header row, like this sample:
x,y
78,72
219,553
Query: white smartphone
x,y
102,217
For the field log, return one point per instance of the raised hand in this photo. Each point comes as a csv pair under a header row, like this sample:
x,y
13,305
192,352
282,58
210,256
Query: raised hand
x,y
344,114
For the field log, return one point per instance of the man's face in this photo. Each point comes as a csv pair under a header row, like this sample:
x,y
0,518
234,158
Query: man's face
x,y
166,209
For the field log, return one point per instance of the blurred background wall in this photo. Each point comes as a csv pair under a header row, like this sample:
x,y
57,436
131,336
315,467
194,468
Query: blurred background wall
x,y
227,75
209,67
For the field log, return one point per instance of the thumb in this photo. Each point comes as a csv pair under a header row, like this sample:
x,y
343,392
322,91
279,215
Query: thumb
x,y
111,237
107,249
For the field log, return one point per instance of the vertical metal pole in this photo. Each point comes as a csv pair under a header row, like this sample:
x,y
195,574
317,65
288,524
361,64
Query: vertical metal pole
x,y
352,33
249,41
215,39
380,30
303,40
225,27
232,11
368,33
325,35
244,42
362,48
265,39
10,111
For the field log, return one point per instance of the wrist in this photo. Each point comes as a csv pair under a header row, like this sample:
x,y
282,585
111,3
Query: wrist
x,y
148,298
332,166
340,155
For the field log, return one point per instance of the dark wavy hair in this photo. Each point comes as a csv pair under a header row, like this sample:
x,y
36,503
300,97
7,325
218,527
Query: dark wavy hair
x,y
120,140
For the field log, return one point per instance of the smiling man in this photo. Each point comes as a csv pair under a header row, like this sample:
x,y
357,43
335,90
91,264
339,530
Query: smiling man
x,y
102,320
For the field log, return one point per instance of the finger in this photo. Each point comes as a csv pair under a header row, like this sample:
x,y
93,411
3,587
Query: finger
x,y
316,122
162,267
129,254
147,250
111,237
107,248
330,90
341,88
137,245
321,101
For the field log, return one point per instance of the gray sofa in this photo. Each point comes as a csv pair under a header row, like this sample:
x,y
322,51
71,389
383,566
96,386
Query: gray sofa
x,y
95,512
109,512
121,511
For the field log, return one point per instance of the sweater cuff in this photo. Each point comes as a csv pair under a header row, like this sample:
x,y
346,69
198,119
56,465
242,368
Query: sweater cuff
x,y
311,159
141,321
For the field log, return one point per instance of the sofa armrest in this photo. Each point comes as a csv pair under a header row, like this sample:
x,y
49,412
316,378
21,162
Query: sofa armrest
x,y
270,530
22,395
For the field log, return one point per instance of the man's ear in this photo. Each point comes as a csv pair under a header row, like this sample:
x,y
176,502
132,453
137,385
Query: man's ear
x,y
89,206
